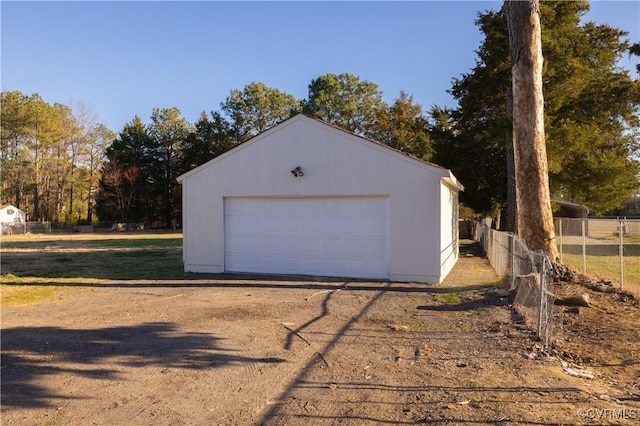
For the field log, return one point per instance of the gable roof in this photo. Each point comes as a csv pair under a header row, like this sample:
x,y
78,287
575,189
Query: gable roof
x,y
447,176
4,206
572,206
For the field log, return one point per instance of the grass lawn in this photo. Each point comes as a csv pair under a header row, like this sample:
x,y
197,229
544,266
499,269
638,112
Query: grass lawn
x,y
33,266
603,260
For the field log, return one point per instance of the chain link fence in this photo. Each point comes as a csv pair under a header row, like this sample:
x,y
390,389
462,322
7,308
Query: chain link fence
x,y
607,249
48,227
530,278
38,227
602,248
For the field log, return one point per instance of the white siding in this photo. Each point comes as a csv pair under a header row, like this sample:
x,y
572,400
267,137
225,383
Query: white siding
x,y
448,229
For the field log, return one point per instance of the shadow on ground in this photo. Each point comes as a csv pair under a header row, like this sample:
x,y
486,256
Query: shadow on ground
x,y
29,353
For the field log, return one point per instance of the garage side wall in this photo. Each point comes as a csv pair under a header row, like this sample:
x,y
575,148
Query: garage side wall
x,y
200,228
335,164
449,229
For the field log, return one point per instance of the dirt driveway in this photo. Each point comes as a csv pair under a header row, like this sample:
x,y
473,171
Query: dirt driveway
x,y
246,351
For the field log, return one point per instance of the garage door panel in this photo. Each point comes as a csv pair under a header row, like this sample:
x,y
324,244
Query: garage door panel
x,y
309,246
311,226
317,236
377,248
354,266
237,245
242,225
310,265
333,227
270,225
270,244
353,248
377,269
289,245
332,244
243,262
372,226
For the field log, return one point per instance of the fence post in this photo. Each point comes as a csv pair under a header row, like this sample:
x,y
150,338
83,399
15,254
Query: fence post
x,y
560,231
621,232
512,284
492,259
584,249
542,294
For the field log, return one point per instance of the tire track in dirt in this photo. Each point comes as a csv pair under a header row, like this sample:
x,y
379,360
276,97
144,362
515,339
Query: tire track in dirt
x,y
303,344
323,407
253,374
271,415
153,390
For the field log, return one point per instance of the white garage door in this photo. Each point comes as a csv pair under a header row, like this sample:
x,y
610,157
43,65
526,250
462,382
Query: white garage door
x,y
342,237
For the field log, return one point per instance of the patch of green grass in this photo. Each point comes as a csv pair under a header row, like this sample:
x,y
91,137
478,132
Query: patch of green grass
x,y
16,290
447,298
24,295
34,266
607,267
10,279
496,282
141,242
140,253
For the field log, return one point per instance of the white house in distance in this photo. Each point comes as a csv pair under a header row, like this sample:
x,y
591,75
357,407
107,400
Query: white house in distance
x,y
308,198
11,217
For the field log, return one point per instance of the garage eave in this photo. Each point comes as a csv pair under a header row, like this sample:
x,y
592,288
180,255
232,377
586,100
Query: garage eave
x,y
452,182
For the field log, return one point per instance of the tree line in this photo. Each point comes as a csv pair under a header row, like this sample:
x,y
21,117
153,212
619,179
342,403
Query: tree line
x,y
50,157
141,165
60,164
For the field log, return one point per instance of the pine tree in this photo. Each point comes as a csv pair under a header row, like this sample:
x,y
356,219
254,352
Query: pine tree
x,y
591,114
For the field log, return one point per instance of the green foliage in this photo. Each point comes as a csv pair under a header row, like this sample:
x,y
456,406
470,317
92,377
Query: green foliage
x,y
14,157
402,126
257,108
139,177
635,50
471,139
476,158
592,111
168,131
467,213
210,138
125,187
101,137
591,114
344,100
47,153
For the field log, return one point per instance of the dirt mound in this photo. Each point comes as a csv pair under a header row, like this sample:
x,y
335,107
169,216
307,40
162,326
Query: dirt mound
x,y
604,337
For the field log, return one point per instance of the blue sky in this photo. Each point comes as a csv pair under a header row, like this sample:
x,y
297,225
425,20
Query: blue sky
x,y
124,58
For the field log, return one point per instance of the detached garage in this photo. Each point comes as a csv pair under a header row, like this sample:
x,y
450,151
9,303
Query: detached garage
x,y
308,198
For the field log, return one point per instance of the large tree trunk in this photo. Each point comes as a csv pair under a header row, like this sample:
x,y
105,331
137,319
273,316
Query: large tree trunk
x,y
511,210
535,218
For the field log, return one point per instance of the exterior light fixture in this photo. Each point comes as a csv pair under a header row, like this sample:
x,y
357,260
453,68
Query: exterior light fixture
x,y
297,172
